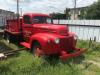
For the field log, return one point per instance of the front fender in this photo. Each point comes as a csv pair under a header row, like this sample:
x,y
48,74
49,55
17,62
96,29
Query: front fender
x,y
43,39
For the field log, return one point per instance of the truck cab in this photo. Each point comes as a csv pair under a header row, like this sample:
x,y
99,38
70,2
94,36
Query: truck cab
x,y
32,23
43,37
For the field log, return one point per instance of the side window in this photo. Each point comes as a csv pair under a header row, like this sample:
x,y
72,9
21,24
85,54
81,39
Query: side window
x,y
27,19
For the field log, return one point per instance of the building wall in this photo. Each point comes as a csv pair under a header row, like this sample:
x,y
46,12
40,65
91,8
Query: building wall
x,y
75,14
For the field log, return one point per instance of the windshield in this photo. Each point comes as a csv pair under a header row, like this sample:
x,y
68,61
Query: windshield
x,y
42,19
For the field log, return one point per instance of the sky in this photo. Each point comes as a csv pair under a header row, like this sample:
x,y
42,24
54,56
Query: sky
x,y
43,6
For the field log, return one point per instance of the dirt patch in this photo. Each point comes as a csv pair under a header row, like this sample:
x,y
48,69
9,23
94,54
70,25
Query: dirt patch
x,y
93,62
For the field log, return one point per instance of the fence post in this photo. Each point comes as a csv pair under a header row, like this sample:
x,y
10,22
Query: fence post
x,y
95,39
90,41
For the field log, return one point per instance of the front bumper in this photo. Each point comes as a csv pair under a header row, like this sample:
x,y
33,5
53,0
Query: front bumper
x,y
64,55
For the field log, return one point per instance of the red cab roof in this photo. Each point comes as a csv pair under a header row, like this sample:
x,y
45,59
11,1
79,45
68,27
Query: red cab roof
x,y
36,14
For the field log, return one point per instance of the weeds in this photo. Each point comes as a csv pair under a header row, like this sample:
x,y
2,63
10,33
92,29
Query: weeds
x,y
25,64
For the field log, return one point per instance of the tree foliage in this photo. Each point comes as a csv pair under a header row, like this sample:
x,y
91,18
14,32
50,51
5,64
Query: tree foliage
x,y
58,16
93,12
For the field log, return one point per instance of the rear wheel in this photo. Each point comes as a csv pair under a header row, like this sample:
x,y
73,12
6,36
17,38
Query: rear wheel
x,y
37,50
7,37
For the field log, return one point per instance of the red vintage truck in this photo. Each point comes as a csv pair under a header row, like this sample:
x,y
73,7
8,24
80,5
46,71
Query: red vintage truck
x,y
42,37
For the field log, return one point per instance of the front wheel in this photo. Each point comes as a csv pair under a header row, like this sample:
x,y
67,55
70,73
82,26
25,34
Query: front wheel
x,y
37,50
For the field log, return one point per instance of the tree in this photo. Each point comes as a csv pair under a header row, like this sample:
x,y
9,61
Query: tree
x,y
67,10
58,16
93,12
83,12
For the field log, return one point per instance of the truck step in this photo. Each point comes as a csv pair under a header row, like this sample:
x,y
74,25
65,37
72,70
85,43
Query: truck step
x,y
25,44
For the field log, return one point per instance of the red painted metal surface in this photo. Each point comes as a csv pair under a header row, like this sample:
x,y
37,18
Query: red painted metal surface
x,y
54,39
12,26
64,55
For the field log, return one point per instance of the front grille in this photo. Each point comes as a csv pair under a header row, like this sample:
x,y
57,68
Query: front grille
x,y
67,43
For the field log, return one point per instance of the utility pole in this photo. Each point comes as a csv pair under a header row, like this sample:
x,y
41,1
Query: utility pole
x,y
18,21
18,10
21,12
74,9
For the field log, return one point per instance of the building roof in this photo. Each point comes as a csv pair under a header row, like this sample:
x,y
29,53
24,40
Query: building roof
x,y
6,10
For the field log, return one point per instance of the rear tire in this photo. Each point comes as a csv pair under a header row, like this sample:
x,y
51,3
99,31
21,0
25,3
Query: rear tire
x,y
7,37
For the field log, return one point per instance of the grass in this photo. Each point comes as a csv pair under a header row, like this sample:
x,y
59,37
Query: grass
x,y
23,63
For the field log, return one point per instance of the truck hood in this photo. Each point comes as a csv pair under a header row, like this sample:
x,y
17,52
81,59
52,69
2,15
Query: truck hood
x,y
51,28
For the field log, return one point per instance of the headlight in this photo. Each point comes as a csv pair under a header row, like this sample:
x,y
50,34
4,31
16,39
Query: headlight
x,y
57,40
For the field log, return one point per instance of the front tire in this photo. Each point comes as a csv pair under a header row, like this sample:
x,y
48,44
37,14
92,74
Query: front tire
x,y
36,50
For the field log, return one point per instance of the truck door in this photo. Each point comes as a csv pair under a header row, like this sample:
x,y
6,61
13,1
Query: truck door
x,y
27,27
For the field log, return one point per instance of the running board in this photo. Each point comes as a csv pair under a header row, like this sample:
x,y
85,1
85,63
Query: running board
x,y
25,44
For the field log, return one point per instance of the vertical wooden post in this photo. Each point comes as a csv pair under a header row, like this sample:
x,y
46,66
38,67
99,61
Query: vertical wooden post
x,y
90,41
95,39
